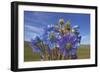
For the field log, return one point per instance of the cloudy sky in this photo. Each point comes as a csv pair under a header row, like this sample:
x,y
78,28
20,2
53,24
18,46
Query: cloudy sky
x,y
35,22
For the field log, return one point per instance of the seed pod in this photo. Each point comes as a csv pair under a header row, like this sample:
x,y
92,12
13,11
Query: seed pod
x,y
61,21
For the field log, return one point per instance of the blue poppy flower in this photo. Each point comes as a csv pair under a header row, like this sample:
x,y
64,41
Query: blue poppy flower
x,y
37,44
34,46
68,42
50,36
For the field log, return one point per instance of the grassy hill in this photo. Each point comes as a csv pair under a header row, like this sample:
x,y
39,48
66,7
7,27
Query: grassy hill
x,y
83,53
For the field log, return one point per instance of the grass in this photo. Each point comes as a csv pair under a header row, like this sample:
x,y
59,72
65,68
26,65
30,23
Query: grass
x,y
28,53
83,53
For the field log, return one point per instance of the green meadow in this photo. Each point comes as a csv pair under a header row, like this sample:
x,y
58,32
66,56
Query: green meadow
x,y
83,53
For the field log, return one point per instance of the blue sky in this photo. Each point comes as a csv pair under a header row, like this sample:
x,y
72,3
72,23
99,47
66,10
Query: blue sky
x,y
34,22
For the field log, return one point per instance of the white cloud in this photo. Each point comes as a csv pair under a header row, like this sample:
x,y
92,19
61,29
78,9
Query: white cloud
x,y
85,39
34,29
32,32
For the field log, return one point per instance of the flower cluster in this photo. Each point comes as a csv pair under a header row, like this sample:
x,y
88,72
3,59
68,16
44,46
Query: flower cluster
x,y
59,42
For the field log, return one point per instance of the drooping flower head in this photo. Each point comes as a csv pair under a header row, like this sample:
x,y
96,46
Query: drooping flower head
x,y
77,33
76,30
34,45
